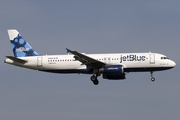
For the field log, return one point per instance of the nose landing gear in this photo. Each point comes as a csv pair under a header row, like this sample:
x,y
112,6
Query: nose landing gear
x,y
152,78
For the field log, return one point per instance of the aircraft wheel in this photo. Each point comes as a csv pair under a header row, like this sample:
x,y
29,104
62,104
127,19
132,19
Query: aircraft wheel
x,y
96,82
153,79
93,78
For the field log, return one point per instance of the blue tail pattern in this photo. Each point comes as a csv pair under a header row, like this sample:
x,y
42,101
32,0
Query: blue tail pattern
x,y
21,48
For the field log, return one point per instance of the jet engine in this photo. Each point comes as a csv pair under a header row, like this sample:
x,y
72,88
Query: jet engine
x,y
113,72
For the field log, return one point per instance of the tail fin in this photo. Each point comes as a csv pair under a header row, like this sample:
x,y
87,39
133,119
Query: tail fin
x,y
19,46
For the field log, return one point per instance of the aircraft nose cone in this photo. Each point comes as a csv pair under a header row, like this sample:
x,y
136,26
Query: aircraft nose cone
x,y
173,64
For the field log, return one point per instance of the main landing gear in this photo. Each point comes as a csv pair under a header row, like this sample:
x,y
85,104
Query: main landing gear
x,y
94,80
152,78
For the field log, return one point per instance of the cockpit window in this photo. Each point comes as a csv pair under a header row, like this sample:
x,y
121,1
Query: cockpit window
x,y
163,58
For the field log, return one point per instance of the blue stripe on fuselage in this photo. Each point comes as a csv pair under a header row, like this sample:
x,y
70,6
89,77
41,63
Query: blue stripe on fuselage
x,y
146,69
85,71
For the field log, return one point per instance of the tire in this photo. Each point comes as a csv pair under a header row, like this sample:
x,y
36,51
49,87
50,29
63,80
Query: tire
x,y
96,82
93,78
153,79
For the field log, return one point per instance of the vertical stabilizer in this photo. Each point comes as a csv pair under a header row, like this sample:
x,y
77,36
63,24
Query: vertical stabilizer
x,y
20,47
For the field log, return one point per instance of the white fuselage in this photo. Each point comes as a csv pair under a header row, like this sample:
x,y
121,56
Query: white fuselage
x,y
132,62
111,66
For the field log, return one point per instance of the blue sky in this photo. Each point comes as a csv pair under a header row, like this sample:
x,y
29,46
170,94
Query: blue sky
x,y
95,26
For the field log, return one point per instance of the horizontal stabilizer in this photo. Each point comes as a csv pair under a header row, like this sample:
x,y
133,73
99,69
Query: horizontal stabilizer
x,y
16,59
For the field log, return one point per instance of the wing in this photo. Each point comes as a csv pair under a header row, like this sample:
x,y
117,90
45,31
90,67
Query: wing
x,y
86,60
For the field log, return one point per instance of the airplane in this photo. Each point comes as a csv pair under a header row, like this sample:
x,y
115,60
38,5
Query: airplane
x,y
111,66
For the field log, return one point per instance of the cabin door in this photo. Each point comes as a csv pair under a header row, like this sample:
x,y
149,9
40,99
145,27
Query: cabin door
x,y
39,61
152,58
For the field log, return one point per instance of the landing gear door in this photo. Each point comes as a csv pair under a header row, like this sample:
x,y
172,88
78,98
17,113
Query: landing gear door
x,y
39,61
152,58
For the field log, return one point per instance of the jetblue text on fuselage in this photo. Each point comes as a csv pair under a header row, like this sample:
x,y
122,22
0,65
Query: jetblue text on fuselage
x,y
132,58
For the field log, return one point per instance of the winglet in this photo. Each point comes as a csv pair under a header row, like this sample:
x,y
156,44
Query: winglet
x,y
68,50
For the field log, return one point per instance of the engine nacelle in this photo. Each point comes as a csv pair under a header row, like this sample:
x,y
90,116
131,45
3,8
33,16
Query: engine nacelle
x,y
112,70
114,77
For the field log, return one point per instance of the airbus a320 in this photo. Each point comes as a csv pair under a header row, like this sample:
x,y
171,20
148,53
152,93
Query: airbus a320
x,y
110,66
